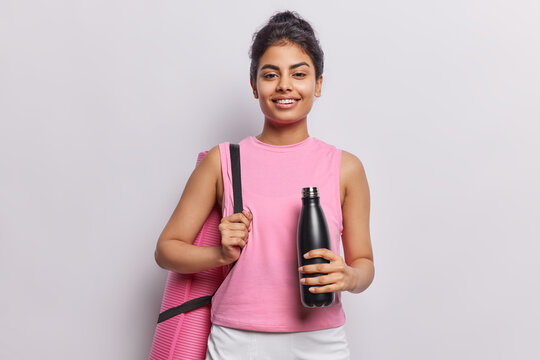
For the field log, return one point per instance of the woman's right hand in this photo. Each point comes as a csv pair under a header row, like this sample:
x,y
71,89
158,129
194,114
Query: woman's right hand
x,y
234,235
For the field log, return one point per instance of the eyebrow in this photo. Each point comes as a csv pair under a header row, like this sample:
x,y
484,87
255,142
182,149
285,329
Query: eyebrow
x,y
269,66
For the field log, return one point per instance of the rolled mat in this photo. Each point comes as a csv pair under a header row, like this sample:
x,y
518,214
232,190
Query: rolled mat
x,y
184,336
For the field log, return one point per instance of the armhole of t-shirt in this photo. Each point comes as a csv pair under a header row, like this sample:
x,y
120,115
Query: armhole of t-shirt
x,y
226,176
339,156
338,186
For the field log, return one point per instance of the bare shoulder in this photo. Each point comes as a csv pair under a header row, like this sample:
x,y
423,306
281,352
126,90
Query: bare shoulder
x,y
196,201
353,175
350,163
212,158
209,166
213,163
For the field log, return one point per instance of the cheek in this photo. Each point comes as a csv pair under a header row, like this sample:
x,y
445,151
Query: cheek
x,y
264,93
307,89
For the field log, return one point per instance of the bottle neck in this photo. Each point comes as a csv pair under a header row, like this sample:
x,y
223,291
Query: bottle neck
x,y
311,200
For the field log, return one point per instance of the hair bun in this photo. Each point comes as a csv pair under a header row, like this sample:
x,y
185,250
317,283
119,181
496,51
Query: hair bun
x,y
285,17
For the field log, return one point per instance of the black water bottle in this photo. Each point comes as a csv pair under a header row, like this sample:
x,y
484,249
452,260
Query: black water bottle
x,y
312,234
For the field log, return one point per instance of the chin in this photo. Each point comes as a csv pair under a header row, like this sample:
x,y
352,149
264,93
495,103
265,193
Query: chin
x,y
284,120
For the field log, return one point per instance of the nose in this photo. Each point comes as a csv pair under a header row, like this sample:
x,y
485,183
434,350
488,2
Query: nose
x,y
284,84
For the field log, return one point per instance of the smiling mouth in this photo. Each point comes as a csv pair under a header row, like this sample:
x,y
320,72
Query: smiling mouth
x,y
285,101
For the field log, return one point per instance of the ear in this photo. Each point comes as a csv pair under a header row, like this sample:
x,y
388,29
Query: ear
x,y
254,87
318,86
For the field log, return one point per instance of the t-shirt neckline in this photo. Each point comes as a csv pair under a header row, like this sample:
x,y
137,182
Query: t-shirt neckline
x,y
282,148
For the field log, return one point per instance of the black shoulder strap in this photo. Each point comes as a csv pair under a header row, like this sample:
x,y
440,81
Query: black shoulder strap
x,y
236,178
238,207
185,307
237,189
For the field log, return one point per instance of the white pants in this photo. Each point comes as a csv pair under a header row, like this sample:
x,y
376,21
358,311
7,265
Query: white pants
x,y
234,344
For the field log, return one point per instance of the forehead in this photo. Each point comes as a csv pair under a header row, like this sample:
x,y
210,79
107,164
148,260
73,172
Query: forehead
x,y
284,55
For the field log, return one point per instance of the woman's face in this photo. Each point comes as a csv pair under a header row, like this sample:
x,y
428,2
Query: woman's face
x,y
286,84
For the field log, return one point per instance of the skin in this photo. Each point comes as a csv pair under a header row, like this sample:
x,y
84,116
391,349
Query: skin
x,y
204,189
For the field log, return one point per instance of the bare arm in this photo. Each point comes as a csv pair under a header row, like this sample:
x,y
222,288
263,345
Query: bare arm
x,y
175,250
356,234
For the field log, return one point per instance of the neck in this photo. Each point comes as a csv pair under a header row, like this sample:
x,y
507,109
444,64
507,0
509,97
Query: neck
x,y
283,134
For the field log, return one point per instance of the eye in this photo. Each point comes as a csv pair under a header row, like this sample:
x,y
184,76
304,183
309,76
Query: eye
x,y
301,74
269,76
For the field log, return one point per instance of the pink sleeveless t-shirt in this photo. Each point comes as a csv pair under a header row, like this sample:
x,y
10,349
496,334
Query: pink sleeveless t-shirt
x,y
262,291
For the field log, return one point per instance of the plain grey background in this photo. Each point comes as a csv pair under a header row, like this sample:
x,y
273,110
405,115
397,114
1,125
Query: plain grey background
x,y
104,106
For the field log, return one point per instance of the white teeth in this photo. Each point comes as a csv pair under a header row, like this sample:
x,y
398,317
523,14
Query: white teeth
x,y
286,101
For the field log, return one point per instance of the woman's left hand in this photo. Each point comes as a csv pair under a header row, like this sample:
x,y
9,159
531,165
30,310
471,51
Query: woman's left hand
x,y
339,274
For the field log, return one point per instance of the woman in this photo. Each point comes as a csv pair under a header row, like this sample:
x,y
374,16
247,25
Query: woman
x,y
257,312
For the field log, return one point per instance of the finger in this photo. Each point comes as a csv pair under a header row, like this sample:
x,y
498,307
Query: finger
x,y
317,268
239,217
238,234
240,226
320,280
322,252
327,268
236,217
324,289
236,242
245,218
248,214
249,217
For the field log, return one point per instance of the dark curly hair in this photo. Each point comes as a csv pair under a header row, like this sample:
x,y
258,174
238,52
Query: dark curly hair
x,y
284,28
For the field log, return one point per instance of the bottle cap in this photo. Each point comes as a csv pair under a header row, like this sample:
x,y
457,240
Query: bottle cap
x,y
310,192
